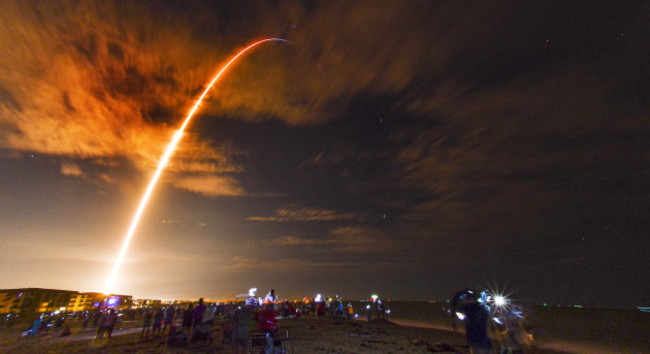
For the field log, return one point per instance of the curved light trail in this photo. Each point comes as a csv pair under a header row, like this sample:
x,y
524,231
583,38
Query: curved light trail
x,y
171,147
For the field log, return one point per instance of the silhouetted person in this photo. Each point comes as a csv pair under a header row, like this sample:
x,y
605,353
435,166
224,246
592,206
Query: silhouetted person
x,y
111,320
66,331
157,322
146,324
379,308
208,316
270,297
198,312
321,308
169,317
475,316
188,315
102,325
240,335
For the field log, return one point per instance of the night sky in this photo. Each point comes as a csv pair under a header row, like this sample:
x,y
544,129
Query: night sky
x,y
406,148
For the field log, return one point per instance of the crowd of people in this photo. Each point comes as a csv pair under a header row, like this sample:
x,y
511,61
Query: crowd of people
x,y
187,323
253,320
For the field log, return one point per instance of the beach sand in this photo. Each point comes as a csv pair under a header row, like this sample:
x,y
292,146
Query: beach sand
x,y
305,335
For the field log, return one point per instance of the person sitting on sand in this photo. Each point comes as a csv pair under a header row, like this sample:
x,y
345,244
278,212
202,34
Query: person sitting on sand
x,y
176,338
266,320
66,332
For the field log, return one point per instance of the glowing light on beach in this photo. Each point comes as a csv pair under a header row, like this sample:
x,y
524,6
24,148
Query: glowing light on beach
x,y
500,301
171,147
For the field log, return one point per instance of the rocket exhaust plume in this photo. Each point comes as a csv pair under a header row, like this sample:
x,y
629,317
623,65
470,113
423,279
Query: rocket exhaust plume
x,y
171,147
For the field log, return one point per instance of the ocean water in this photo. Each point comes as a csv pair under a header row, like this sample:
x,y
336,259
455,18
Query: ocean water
x,y
580,330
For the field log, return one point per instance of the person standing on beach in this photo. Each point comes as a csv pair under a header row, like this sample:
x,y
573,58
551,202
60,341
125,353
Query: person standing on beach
x,y
146,325
242,319
270,297
198,312
321,308
169,317
157,322
339,309
188,315
208,316
350,312
379,308
102,325
110,322
476,317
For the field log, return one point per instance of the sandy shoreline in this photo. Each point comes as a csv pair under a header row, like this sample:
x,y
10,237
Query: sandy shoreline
x,y
305,335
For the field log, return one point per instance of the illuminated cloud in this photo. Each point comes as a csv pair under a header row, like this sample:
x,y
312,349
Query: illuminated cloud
x,y
211,186
305,214
347,239
362,239
291,241
108,179
71,169
86,82
100,81
240,263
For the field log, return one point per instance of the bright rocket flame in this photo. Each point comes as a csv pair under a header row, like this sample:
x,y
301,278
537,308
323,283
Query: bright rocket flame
x,y
171,147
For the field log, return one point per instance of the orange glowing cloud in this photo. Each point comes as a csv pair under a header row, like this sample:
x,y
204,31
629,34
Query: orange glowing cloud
x,y
99,80
85,82
287,214
210,185
71,169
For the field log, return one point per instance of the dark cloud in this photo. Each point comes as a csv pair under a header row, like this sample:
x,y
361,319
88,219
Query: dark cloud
x,y
292,214
435,137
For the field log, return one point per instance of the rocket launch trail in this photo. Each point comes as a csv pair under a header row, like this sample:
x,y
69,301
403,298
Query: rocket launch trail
x,y
164,159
